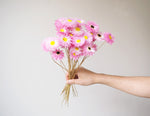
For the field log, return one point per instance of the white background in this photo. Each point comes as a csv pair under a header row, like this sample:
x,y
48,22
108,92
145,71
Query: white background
x,y
30,83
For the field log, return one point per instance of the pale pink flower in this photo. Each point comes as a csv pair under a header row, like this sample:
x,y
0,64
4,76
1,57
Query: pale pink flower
x,y
99,36
89,49
109,38
74,55
65,41
70,22
59,22
70,35
77,31
57,54
93,35
78,41
67,22
76,50
80,22
62,30
92,27
50,44
88,37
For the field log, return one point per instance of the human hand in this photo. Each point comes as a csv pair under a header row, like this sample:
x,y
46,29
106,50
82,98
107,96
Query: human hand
x,y
83,77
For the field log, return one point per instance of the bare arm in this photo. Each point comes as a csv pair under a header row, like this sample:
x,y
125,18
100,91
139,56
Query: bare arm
x,y
139,86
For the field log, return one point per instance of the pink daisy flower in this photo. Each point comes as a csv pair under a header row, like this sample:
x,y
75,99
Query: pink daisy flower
x,y
92,27
57,54
88,37
80,22
50,44
76,50
78,41
93,35
70,22
109,38
74,55
65,41
59,22
70,35
62,30
89,49
77,31
99,36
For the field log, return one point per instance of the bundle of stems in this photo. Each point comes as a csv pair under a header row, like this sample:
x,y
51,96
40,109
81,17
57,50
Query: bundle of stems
x,y
72,69
73,66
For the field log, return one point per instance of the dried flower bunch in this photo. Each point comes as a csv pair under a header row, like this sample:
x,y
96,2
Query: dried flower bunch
x,y
78,40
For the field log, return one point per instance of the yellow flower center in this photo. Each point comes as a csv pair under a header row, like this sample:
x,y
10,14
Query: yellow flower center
x,y
86,37
76,48
69,20
52,43
74,54
77,29
78,40
110,37
62,30
79,21
91,33
65,39
71,34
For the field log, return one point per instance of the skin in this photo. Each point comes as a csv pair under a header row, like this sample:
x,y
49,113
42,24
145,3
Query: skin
x,y
135,85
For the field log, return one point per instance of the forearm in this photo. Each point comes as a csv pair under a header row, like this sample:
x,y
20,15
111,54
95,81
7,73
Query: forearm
x,y
139,86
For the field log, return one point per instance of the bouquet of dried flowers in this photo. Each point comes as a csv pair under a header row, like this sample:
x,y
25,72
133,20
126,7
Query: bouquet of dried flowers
x,y
76,40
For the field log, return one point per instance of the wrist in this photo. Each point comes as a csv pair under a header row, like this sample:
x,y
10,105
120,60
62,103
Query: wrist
x,y
100,78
